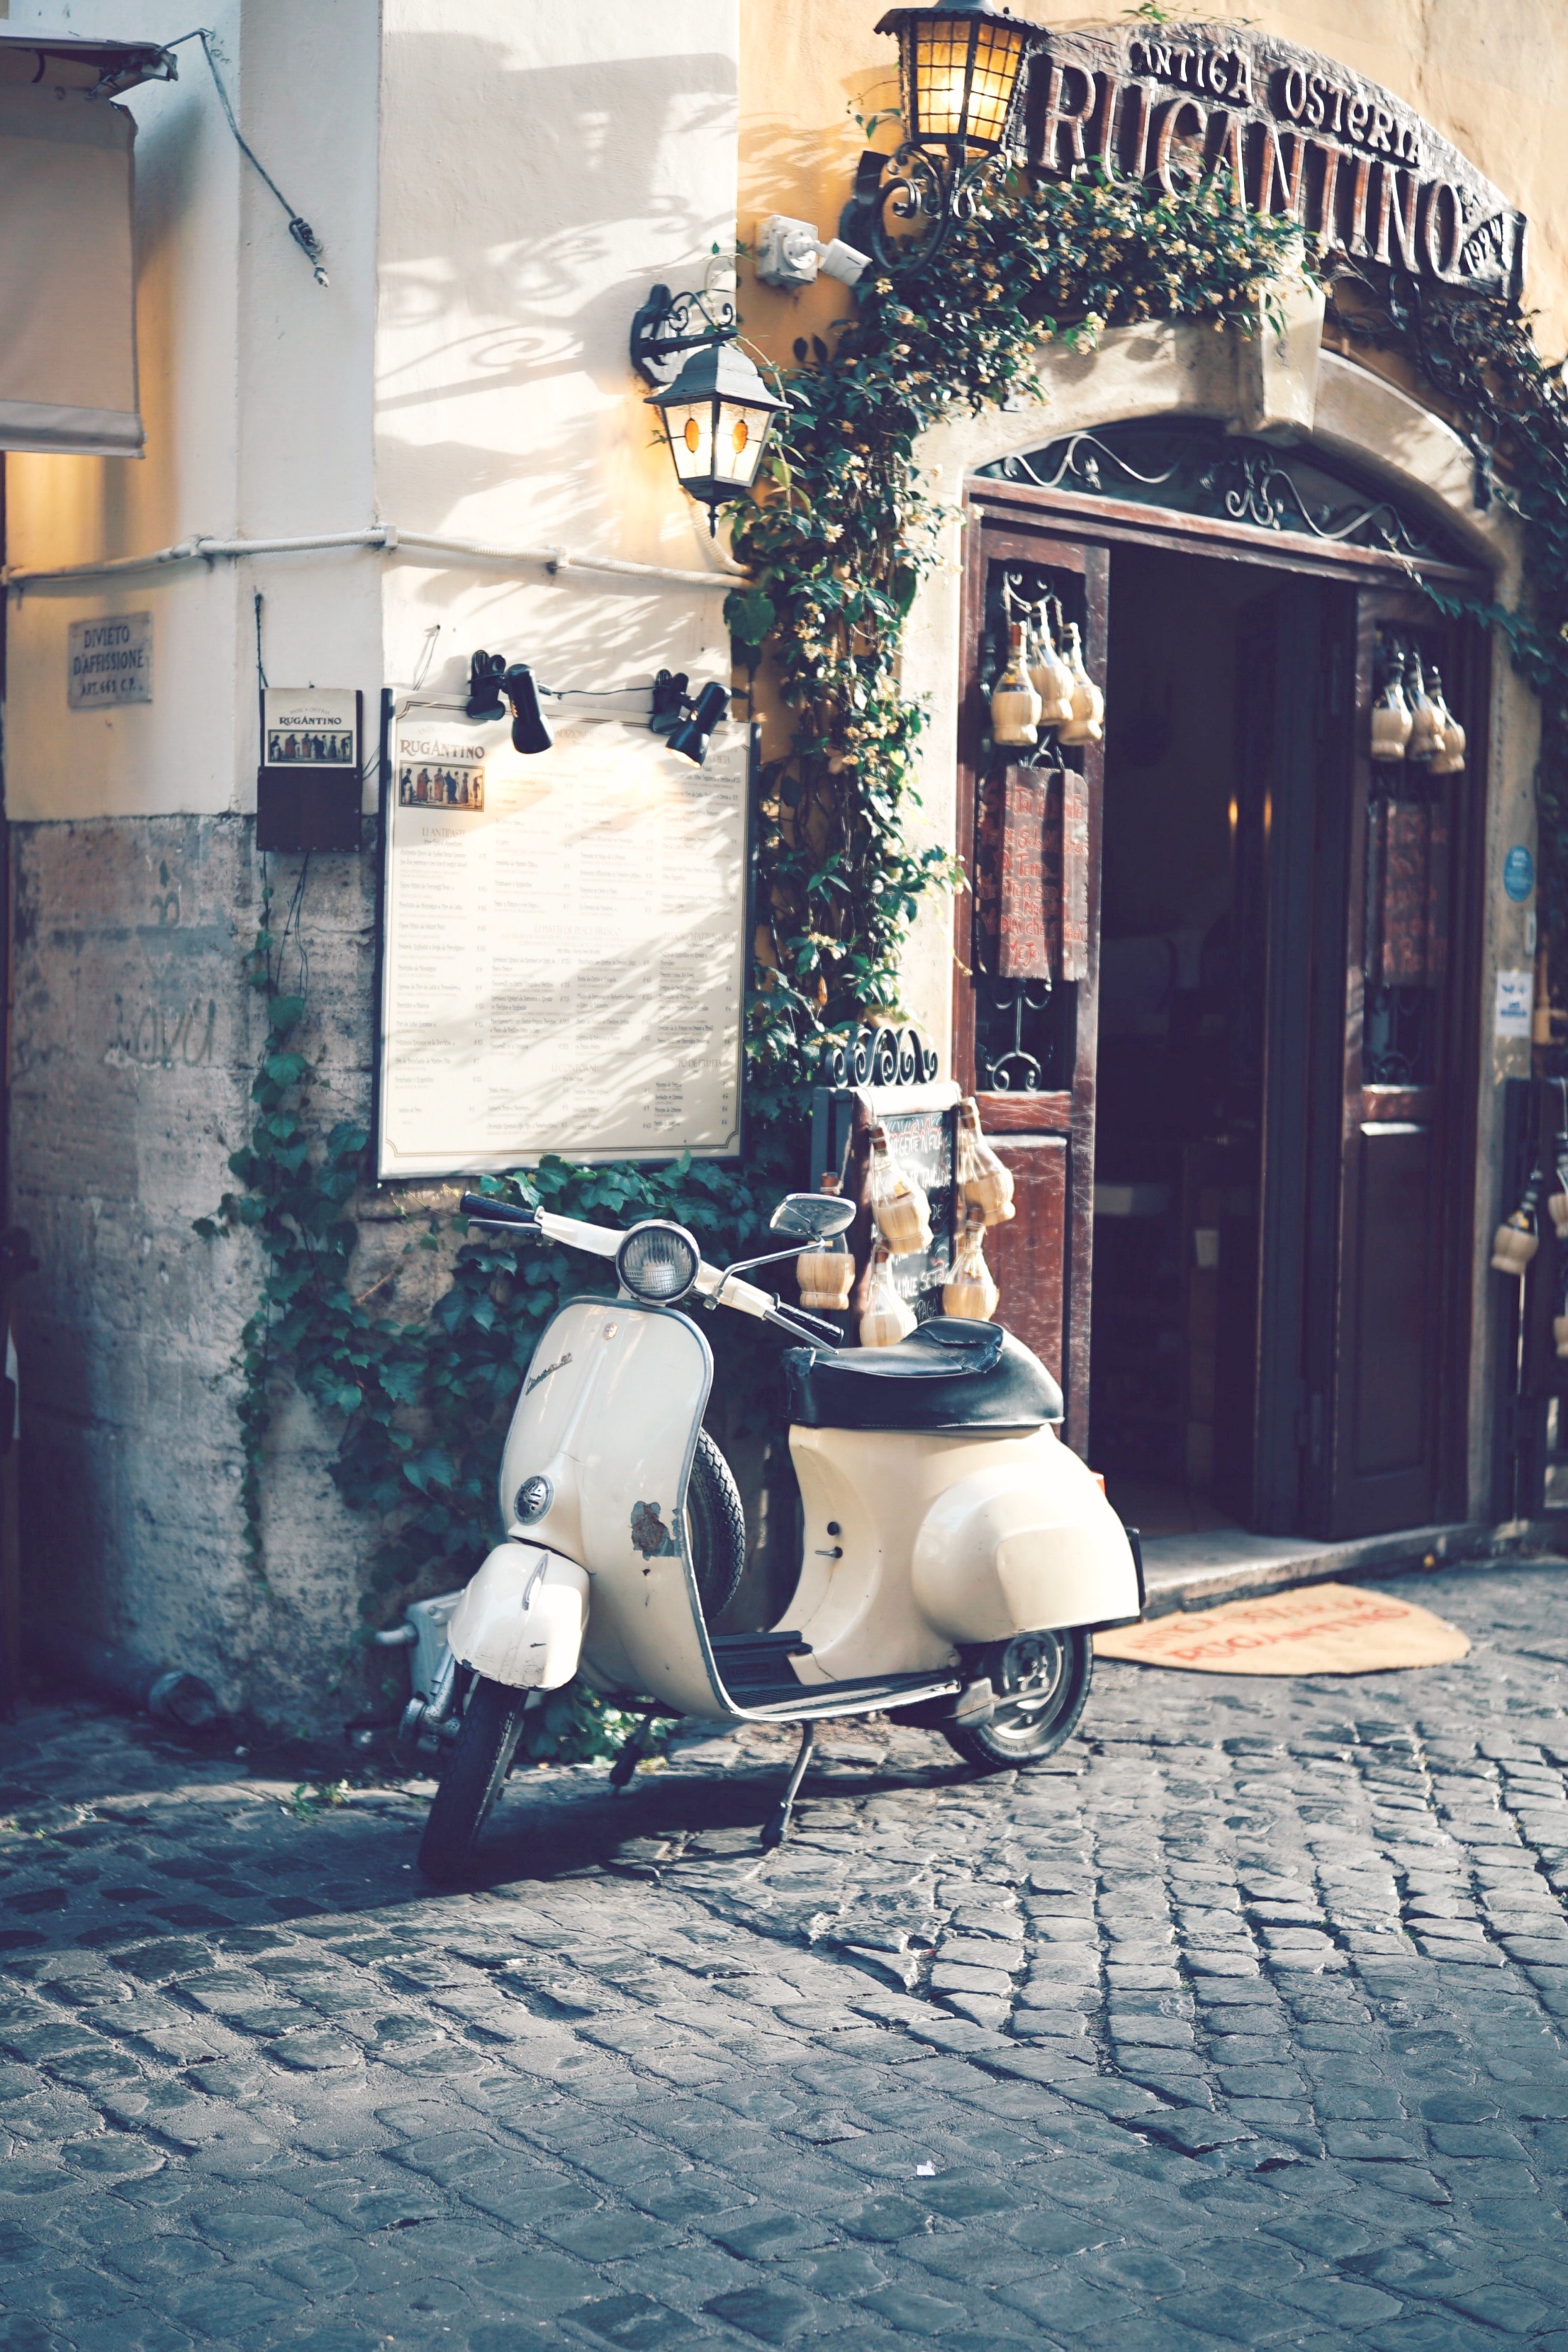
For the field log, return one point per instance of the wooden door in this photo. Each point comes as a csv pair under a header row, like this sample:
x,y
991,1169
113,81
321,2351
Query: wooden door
x,y
1024,1046
1387,1362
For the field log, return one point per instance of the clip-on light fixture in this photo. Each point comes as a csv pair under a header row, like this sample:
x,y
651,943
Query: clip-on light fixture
x,y
491,677
686,720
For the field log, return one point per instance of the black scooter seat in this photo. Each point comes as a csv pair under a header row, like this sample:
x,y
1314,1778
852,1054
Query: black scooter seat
x,y
949,1374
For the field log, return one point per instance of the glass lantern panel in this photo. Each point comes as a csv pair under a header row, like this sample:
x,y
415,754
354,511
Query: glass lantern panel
x,y
738,444
940,80
690,430
964,77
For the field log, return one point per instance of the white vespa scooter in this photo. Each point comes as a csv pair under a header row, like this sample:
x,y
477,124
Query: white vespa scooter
x,y
956,1558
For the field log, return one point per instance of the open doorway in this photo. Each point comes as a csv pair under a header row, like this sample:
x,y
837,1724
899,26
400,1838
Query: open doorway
x,y
1241,1138
1179,1129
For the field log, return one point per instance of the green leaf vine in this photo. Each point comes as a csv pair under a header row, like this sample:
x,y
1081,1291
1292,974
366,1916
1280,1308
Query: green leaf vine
x,y
835,544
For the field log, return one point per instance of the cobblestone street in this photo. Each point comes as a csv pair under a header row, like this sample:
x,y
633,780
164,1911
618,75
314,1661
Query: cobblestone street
x,y
1242,2022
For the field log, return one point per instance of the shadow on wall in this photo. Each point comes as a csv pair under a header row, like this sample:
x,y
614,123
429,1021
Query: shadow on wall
x,y
517,254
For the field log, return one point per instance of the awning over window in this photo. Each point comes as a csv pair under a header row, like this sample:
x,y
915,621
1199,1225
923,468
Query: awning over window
x,y
67,311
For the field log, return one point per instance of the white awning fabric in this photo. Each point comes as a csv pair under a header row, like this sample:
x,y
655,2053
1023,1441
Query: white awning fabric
x,y
68,311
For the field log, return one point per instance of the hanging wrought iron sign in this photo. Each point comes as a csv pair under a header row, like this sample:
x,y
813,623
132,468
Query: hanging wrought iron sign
x,y
1303,137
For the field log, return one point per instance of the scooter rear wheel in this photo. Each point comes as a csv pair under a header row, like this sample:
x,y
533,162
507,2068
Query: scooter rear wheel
x,y
1041,1681
476,1765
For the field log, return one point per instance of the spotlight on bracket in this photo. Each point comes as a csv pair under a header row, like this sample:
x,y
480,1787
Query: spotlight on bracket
x,y
528,731
485,673
691,739
669,700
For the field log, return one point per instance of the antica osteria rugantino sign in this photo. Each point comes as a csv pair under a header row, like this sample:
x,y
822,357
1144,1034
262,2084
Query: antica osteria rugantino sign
x,y
1303,137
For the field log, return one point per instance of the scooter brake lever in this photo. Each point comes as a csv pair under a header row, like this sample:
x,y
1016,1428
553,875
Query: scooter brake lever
x,y
795,1320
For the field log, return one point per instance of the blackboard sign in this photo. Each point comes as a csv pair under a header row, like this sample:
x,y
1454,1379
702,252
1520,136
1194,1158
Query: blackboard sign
x,y
923,1135
925,1145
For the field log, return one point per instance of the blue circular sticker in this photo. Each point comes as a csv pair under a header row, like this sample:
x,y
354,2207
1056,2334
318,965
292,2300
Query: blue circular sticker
x,y
1519,872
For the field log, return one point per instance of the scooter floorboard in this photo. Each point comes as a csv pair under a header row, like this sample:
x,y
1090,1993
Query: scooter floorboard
x,y
801,1701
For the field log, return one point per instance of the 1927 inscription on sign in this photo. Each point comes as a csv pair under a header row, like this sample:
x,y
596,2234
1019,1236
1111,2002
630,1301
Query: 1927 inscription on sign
x,y
1302,137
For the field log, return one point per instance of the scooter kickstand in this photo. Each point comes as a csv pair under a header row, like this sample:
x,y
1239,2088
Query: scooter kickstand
x,y
777,1828
631,1755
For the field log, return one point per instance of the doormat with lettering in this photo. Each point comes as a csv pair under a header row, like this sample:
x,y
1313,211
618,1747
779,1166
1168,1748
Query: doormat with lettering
x,y
1315,1629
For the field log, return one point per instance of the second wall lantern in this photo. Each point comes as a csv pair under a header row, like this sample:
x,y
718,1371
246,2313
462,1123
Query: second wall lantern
x,y
718,414
718,411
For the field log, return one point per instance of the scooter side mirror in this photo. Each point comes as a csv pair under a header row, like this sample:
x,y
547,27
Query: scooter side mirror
x,y
811,1216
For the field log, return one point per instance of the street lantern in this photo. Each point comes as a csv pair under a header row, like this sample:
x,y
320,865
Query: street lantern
x,y
717,414
961,65
961,72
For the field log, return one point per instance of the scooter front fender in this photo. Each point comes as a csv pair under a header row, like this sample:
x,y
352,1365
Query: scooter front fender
x,y
521,1620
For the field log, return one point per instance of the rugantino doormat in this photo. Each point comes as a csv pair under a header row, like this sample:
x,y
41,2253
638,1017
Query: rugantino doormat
x,y
1317,1628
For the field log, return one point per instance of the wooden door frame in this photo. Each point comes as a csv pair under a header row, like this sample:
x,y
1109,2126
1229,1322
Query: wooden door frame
x,y
1070,1112
1003,518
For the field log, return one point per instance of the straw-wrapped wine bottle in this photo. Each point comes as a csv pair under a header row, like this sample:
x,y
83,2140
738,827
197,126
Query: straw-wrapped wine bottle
x,y
887,1319
983,1182
899,1206
969,1290
825,1272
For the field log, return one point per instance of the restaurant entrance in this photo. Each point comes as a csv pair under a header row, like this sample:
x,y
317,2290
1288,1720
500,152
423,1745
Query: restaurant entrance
x,y
1242,1133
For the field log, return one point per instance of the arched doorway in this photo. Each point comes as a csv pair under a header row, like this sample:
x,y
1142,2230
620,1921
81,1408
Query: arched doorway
x,y
1236,1088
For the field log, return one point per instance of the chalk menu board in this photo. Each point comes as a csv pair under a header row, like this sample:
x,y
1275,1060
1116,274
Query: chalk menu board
x,y
563,948
923,1135
925,1144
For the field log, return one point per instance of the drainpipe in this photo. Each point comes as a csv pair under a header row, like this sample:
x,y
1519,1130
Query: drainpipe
x,y
170,1692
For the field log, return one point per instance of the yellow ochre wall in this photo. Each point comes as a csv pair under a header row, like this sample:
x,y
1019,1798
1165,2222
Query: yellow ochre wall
x,y
1490,75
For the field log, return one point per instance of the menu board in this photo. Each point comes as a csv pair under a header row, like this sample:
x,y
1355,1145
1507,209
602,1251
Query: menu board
x,y
925,1145
563,948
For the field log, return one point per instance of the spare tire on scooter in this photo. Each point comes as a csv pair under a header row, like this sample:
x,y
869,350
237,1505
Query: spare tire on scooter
x,y
715,1529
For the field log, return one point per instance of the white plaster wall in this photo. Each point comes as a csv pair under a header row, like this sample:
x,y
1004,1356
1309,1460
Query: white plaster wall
x,y
255,394
540,167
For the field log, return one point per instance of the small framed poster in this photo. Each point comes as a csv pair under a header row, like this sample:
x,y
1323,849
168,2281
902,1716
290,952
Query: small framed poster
x,y
307,785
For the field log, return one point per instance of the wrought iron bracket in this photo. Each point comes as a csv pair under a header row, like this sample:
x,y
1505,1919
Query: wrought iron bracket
x,y
667,324
912,186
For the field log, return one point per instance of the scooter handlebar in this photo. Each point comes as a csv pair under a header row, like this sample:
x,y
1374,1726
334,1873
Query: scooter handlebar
x,y
729,1290
603,1241
599,1241
494,1213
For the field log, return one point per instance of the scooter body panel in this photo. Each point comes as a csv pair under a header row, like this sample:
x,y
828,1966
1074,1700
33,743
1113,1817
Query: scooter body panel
x,y
1023,1547
520,1619
609,1414
946,1541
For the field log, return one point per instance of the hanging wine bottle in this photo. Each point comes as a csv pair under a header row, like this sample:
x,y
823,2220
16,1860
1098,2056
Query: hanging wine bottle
x,y
887,1317
1391,719
825,1272
1015,705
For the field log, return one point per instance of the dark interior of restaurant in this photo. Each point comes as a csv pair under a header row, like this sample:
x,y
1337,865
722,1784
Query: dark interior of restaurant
x,y
1174,1347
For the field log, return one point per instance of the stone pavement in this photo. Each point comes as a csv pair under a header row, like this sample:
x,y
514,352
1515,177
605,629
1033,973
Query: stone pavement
x,y
1242,2022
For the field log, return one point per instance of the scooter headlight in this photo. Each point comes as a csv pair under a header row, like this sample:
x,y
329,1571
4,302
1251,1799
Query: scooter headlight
x,y
658,1262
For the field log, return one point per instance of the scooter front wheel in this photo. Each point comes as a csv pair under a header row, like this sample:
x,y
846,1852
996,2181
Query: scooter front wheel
x,y
476,1765
1041,1681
